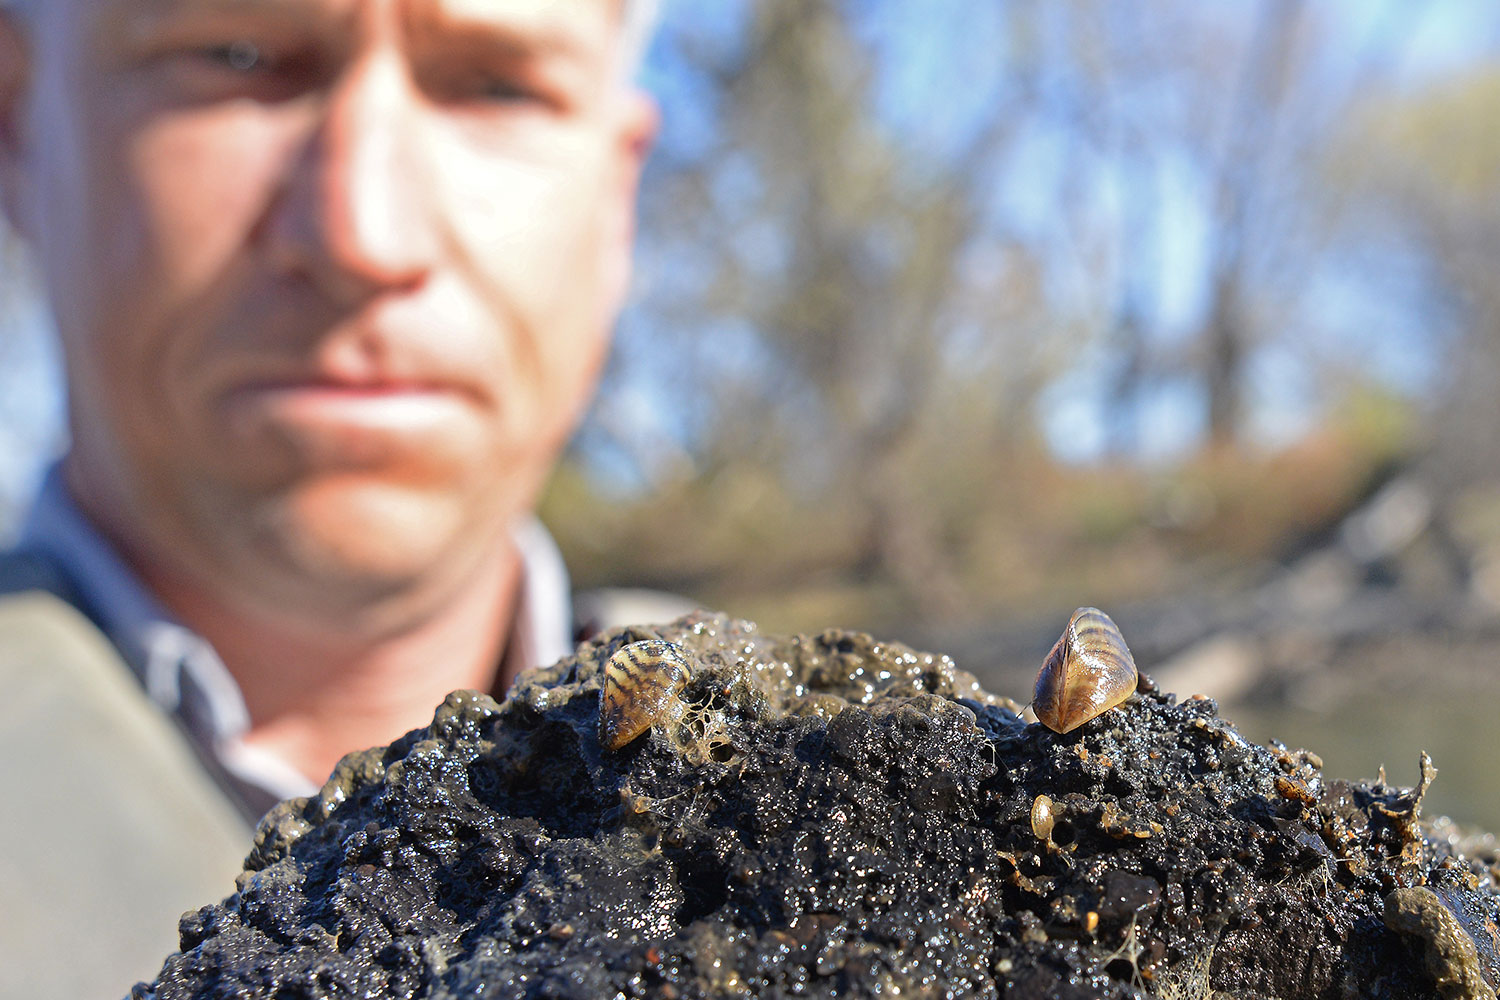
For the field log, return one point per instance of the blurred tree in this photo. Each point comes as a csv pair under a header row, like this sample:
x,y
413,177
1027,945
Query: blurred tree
x,y
1258,105
1207,130
853,263
887,249
1430,208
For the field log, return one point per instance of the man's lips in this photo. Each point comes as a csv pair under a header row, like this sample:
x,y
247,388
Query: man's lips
x,y
345,422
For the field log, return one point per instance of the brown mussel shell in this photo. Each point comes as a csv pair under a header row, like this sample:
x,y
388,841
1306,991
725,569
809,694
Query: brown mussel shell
x,y
1088,672
642,682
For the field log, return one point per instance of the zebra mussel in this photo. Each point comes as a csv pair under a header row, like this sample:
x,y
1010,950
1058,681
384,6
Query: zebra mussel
x,y
1088,672
642,684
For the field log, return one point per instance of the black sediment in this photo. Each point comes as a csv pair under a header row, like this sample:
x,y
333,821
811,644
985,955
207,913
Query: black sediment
x,y
833,816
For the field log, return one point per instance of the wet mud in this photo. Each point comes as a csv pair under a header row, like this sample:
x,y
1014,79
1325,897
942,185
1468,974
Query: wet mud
x,y
833,816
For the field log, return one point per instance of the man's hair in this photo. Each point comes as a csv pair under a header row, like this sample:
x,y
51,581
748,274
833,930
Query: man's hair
x,y
639,25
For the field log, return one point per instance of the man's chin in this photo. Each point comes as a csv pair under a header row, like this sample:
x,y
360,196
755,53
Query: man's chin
x,y
347,543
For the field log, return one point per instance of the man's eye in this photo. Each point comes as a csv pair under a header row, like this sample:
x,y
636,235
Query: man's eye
x,y
241,56
505,91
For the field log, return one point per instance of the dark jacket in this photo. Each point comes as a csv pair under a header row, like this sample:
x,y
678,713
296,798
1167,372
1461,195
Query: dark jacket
x,y
110,821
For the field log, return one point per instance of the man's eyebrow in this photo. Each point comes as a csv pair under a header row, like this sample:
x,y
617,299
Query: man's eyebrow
x,y
159,8
133,16
527,28
129,28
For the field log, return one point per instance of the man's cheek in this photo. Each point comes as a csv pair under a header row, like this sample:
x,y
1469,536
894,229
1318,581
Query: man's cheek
x,y
200,197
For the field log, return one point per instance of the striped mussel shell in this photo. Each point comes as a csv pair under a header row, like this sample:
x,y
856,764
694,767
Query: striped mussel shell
x,y
642,684
1089,671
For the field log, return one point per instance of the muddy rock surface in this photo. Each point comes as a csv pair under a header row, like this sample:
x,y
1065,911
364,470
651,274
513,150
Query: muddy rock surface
x,y
833,816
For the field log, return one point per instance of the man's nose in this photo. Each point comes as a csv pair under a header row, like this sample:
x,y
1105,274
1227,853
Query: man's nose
x,y
353,213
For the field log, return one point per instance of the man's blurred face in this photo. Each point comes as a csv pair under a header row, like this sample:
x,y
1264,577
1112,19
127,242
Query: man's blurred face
x,y
334,277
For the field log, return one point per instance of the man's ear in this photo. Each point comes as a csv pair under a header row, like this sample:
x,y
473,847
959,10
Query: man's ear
x,y
635,128
640,122
15,81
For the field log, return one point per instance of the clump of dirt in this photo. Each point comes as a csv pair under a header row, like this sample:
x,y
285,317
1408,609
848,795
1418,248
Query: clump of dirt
x,y
835,816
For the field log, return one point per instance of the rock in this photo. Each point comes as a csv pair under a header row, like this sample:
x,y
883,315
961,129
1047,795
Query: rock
x,y
835,816
1452,952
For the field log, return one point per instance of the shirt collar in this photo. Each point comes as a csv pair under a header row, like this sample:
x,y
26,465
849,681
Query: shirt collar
x,y
180,671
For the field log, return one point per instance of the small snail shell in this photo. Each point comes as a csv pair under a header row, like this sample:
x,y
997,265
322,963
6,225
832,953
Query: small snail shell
x,y
1043,818
1088,672
641,686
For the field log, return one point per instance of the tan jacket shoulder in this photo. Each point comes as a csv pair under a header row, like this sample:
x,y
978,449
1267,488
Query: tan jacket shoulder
x,y
111,826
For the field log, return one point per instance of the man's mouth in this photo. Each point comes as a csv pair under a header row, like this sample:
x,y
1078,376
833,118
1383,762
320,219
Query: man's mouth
x,y
347,423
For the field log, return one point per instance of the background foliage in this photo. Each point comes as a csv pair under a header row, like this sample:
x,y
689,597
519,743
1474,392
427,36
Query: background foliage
x,y
956,309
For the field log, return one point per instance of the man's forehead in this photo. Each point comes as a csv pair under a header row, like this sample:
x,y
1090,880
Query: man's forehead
x,y
539,12
634,19
585,31
564,24
551,19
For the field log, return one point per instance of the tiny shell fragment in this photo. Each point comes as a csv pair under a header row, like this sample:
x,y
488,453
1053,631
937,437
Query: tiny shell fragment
x,y
1043,818
1088,672
641,686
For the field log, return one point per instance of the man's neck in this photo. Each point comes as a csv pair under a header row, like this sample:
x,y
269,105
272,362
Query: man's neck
x,y
315,695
